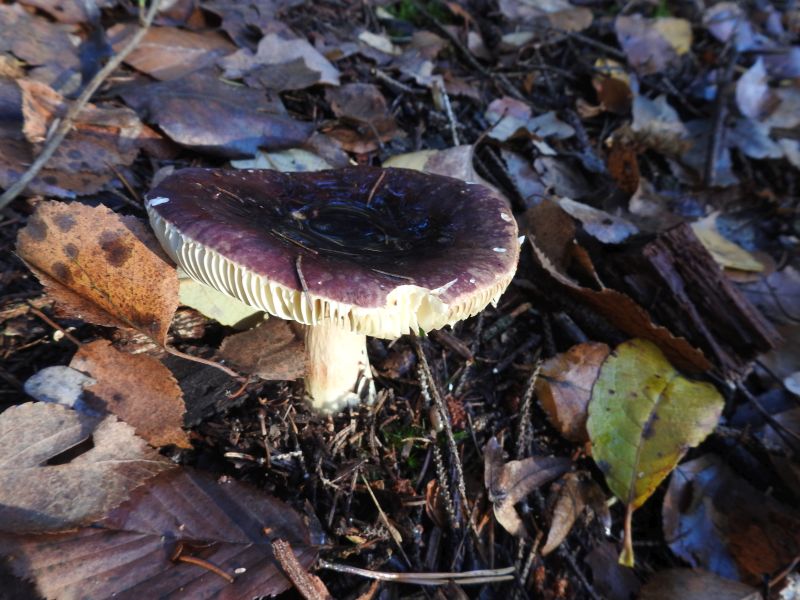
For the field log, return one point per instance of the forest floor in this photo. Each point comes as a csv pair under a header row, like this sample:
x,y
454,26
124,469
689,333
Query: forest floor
x,y
649,152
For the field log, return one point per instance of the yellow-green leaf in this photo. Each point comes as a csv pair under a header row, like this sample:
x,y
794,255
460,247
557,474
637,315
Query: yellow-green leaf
x,y
643,417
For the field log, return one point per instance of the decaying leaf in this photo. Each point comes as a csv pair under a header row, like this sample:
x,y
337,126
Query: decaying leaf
x,y
293,160
652,45
576,492
46,485
643,417
511,118
203,113
169,52
137,550
89,259
695,584
564,387
138,389
273,350
509,482
715,520
726,253
365,120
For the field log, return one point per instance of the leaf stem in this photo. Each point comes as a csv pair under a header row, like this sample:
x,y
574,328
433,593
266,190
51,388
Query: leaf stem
x,y
626,557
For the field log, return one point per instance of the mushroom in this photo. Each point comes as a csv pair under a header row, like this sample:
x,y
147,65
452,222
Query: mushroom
x,y
350,253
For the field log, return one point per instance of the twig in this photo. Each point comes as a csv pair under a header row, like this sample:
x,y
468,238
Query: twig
x,y
310,586
63,128
204,361
398,539
464,578
178,556
54,325
448,109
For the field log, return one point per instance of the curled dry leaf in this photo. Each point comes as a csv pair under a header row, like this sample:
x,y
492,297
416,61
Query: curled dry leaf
x,y
39,492
576,493
183,514
509,482
96,268
564,387
643,418
273,350
138,389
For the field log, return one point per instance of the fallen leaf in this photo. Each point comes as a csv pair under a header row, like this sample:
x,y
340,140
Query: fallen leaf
x,y
47,486
512,118
136,388
41,44
605,227
695,584
212,303
69,11
365,120
272,351
293,160
284,64
656,125
652,45
753,96
98,269
715,520
509,482
101,136
564,388
576,493
643,418
60,384
168,52
203,113
725,253
182,513
623,166
727,21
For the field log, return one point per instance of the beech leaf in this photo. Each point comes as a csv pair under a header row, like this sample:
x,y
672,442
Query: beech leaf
x,y
142,549
98,268
36,496
138,389
643,417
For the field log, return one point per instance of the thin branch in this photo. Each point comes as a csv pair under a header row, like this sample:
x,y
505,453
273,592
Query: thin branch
x,y
65,125
464,578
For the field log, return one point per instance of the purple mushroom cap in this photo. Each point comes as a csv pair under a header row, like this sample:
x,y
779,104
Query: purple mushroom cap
x,y
380,250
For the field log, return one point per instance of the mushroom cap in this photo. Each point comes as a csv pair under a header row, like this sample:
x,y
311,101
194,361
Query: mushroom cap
x,y
379,251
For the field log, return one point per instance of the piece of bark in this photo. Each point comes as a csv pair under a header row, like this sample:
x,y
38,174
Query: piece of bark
x,y
682,286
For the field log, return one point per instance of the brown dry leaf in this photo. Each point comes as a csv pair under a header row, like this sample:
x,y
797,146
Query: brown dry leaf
x,y
273,351
47,486
101,136
564,387
614,94
695,584
203,113
169,52
365,120
89,252
69,11
551,235
576,493
509,483
183,512
138,389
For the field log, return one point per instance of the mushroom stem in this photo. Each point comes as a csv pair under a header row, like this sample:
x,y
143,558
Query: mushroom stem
x,y
338,368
